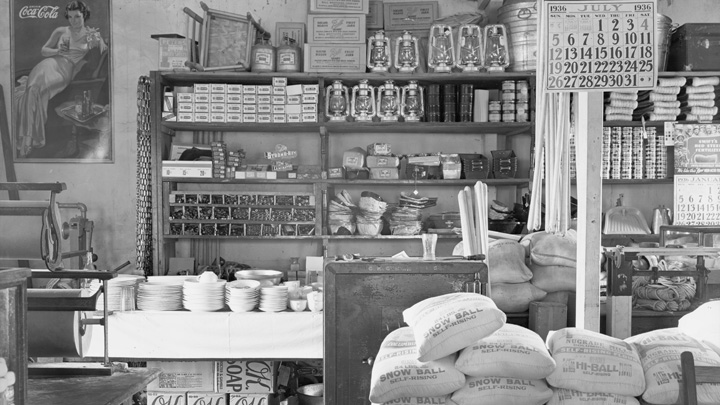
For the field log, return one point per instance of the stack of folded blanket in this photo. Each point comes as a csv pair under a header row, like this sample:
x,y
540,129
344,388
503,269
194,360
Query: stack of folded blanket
x,y
661,103
698,101
619,105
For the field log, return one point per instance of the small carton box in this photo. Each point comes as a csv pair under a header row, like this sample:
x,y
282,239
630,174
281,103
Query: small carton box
x,y
333,58
264,118
384,173
234,98
202,117
375,15
218,107
309,117
165,397
201,87
309,108
185,107
293,109
279,81
186,117
218,98
278,99
173,52
264,108
309,99
218,88
234,108
201,97
416,15
311,88
185,97
278,90
294,90
336,28
379,148
217,117
264,99
382,161
294,99
335,6
202,107
206,398
249,89
279,118
249,118
183,376
249,399
234,117
249,98
279,109
234,88
264,89
292,117
250,108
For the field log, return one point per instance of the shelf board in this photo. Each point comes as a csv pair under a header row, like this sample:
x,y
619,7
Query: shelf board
x,y
189,78
299,127
238,181
384,237
310,237
466,128
462,182
652,123
688,74
669,180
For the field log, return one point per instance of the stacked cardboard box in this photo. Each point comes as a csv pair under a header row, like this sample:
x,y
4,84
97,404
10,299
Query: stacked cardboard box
x,y
213,382
336,39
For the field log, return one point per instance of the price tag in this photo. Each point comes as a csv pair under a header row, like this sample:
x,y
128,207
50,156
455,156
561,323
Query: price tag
x,y
599,45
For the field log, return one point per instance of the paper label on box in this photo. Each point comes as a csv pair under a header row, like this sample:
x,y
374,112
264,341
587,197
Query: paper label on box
x,y
202,107
234,117
248,399
279,118
249,118
201,98
174,52
218,87
234,88
183,376
311,88
234,108
278,99
186,117
249,89
202,117
336,28
418,14
264,89
218,107
250,108
185,97
165,398
217,98
279,81
249,98
339,6
264,108
206,398
201,88
335,58
309,98
234,98
264,99
295,99
185,107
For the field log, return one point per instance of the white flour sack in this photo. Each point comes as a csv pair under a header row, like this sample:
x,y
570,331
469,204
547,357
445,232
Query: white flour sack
x,y
502,391
660,355
444,400
561,396
448,323
511,298
703,323
397,373
592,362
512,351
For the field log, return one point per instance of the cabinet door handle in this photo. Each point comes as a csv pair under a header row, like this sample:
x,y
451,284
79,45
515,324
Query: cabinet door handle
x,y
369,361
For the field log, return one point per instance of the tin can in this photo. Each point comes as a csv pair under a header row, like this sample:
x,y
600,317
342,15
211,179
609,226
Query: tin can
x,y
262,57
508,85
288,58
495,116
495,106
508,116
508,106
522,113
508,96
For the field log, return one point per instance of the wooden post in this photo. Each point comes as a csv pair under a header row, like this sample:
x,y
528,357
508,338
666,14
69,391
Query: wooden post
x,y
588,127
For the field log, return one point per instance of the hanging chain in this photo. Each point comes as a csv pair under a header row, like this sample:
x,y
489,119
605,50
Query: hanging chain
x,y
144,249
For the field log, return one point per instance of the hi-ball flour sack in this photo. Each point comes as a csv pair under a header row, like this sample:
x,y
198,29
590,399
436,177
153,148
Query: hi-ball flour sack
x,y
448,323
512,351
397,372
660,355
591,362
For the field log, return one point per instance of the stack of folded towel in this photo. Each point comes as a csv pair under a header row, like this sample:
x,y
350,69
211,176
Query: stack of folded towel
x,y
619,105
661,103
698,101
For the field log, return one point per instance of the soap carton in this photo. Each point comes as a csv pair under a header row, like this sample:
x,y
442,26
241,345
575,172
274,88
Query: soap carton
x,y
206,398
246,376
249,399
166,398
183,376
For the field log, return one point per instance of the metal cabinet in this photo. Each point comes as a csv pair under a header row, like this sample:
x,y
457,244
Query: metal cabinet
x,y
364,302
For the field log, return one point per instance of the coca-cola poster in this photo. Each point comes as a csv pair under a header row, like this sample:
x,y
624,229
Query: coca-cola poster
x,y
61,81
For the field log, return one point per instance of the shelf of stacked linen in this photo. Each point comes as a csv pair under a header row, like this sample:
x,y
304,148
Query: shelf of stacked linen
x,y
698,101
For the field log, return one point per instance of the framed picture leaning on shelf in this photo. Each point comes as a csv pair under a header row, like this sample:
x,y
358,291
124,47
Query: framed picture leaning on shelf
x,y
61,81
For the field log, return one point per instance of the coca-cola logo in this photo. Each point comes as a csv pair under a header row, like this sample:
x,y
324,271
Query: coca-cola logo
x,y
39,12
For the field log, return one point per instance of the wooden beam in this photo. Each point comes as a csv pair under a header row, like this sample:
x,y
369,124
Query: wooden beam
x,y
588,125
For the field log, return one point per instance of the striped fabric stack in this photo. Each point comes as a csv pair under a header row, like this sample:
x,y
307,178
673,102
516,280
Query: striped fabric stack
x,y
661,103
698,101
619,106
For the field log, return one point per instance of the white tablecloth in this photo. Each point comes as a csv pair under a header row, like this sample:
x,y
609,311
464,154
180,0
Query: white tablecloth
x,y
211,335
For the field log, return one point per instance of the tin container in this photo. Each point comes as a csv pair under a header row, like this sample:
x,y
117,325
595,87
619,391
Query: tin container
x,y
495,106
288,58
508,85
495,116
508,95
262,57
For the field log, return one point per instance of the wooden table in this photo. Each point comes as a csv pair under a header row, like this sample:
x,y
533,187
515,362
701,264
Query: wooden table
x,y
90,390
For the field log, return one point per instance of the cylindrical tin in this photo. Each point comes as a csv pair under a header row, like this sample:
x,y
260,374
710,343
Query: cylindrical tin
x,y
262,57
495,106
288,58
508,95
522,112
508,85
495,116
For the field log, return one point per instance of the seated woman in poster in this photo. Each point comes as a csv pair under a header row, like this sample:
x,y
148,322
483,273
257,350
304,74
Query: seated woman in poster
x,y
63,50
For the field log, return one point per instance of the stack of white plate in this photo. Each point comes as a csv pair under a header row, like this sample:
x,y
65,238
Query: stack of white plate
x,y
273,298
114,287
155,296
242,295
204,297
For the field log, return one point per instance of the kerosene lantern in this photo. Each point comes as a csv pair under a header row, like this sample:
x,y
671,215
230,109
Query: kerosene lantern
x,y
406,53
496,48
441,48
388,103
362,101
336,101
412,107
378,52
469,48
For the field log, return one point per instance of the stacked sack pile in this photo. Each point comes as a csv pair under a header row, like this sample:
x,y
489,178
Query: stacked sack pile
x,y
593,368
698,100
511,284
619,105
553,261
458,350
661,103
